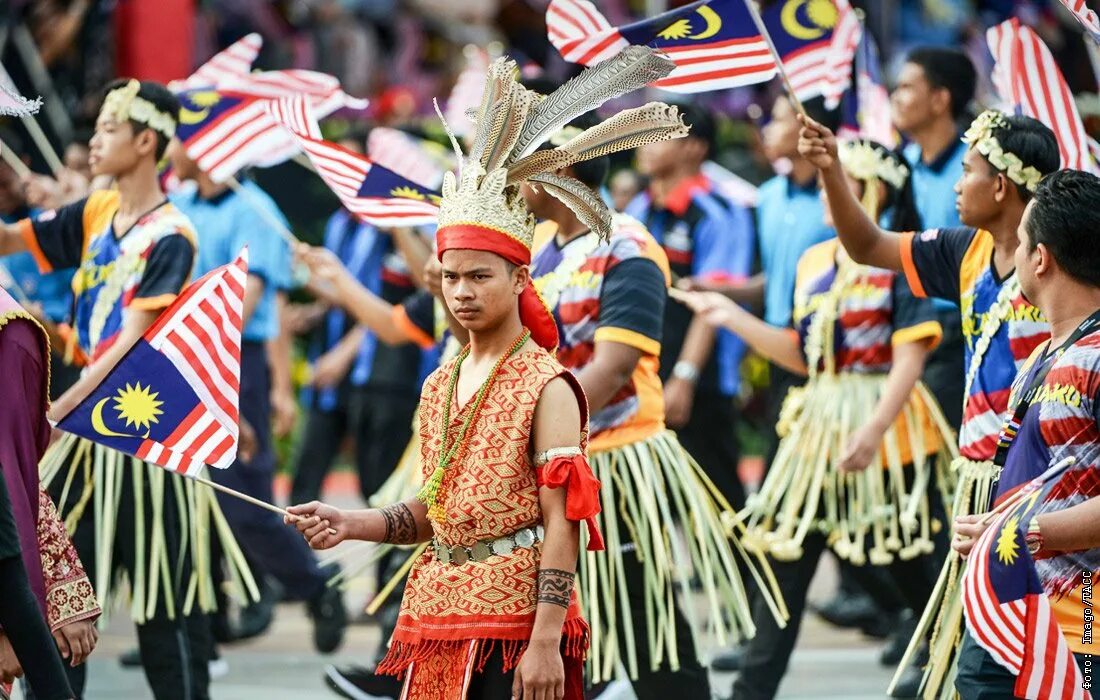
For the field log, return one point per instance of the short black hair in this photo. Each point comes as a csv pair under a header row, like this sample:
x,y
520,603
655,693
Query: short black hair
x,y
1065,216
1032,142
816,110
948,69
701,124
161,98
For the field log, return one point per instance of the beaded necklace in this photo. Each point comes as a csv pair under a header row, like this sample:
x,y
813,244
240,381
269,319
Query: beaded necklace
x,y
433,493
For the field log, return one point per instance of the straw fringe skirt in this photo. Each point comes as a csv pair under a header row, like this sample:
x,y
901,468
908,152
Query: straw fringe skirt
x,y
941,624
97,474
874,514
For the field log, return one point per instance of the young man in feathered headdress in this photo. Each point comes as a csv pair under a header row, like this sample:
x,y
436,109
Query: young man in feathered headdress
x,y
489,609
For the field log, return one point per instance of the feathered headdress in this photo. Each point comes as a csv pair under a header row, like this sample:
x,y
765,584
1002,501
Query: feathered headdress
x,y
482,207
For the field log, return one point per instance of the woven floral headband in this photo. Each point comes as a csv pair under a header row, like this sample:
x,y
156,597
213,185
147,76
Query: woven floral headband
x,y
981,137
865,161
123,103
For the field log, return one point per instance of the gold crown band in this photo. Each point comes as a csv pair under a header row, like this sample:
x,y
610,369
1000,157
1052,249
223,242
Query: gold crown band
x,y
123,103
980,136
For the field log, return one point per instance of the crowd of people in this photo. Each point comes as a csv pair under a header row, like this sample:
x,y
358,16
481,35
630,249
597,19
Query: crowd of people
x,y
578,339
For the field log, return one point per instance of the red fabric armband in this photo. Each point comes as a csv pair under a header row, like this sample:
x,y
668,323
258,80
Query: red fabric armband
x,y
582,492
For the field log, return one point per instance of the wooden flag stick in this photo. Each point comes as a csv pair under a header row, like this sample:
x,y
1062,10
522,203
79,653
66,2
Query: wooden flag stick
x,y
43,144
12,160
263,211
249,499
760,26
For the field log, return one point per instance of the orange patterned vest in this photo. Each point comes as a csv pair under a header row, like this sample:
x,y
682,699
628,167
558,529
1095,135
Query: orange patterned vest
x,y
453,617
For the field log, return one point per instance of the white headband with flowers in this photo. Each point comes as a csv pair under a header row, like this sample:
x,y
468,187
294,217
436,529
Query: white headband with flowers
x,y
980,137
123,103
863,161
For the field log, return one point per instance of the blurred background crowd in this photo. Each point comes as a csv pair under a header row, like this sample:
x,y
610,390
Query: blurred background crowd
x,y
400,55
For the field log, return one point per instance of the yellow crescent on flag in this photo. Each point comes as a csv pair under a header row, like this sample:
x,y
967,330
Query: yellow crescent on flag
x,y
713,20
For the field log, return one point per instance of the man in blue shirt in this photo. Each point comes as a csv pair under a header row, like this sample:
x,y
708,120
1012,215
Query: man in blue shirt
x,y
225,221
705,238
360,386
934,88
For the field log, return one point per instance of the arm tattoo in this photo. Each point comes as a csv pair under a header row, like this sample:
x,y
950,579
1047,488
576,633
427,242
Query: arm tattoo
x,y
555,586
400,524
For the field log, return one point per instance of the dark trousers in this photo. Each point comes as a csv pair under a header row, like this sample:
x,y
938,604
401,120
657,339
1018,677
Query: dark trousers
x,y
494,683
691,680
944,370
379,420
768,653
709,437
26,629
277,550
780,382
981,678
174,651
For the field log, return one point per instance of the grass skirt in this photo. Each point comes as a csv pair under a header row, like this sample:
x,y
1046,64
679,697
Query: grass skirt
x,y
874,514
681,529
96,473
941,624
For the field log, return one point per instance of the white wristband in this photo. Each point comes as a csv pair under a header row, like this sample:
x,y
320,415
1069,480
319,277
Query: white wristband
x,y
686,371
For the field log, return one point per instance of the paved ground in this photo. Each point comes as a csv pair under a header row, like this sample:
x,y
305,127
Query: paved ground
x,y
282,665
827,664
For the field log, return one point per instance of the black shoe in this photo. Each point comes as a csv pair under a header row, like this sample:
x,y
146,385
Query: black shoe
x,y
255,618
358,683
908,685
898,641
846,610
330,619
131,658
729,659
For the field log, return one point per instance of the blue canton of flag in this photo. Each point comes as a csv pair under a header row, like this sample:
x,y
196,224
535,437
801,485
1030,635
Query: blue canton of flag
x,y
383,182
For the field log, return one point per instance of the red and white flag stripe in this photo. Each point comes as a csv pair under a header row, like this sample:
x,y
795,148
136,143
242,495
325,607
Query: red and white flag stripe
x,y
1085,16
231,62
202,338
248,136
344,171
404,154
842,51
1027,77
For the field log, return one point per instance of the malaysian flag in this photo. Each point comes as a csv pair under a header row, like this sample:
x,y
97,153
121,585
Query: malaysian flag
x,y
715,43
865,109
373,193
227,129
816,42
1085,16
229,63
842,54
1027,78
421,161
1007,611
172,400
